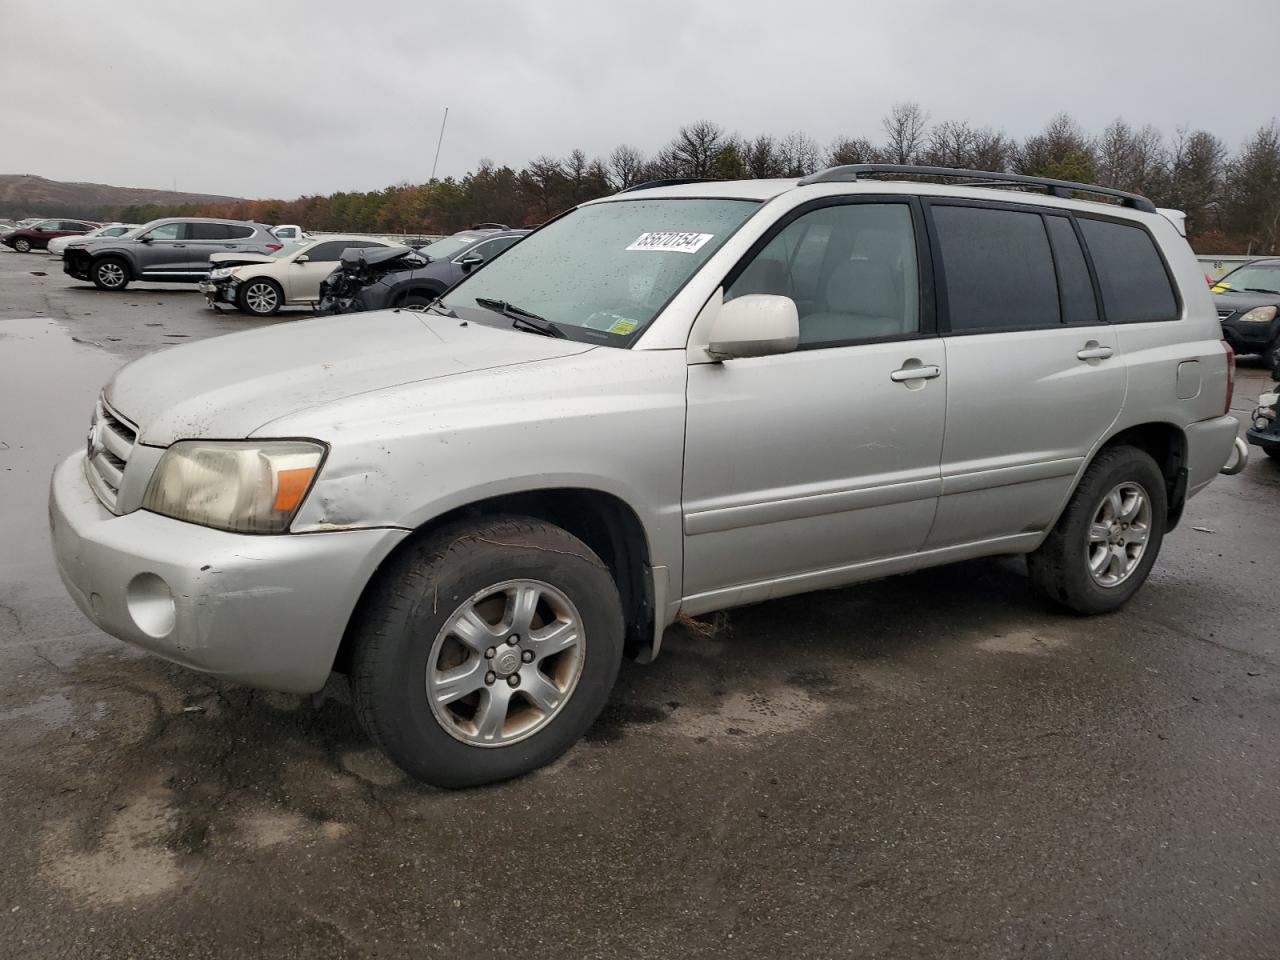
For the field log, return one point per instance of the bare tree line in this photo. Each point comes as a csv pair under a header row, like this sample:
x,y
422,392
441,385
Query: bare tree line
x,y
1231,198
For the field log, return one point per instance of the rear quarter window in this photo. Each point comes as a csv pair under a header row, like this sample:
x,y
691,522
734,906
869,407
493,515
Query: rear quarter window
x,y
235,232
1135,284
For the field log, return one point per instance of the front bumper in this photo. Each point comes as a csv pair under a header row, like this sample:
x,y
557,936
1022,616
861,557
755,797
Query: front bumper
x,y
267,611
218,292
1247,337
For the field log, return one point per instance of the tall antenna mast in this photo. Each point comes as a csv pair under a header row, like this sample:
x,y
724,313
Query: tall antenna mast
x,y
439,142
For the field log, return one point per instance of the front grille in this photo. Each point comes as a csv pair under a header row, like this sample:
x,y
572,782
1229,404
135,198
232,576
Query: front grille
x,y
111,440
1225,314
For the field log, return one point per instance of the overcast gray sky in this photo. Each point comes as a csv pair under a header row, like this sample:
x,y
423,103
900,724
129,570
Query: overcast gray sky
x,y
278,99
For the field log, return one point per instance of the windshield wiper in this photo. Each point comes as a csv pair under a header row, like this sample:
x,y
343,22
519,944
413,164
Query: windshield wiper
x,y
523,319
439,306
1261,290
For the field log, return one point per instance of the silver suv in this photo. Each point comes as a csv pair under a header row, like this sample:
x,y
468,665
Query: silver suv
x,y
672,400
172,250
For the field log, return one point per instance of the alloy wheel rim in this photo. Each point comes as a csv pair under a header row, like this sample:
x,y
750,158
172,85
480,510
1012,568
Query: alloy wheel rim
x,y
261,298
22,246
1118,534
110,274
505,663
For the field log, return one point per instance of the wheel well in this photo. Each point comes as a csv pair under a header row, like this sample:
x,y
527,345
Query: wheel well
x,y
1167,445
600,520
411,291
118,258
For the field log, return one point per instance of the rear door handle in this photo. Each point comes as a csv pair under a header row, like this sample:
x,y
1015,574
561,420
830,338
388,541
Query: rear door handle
x,y
907,374
1092,351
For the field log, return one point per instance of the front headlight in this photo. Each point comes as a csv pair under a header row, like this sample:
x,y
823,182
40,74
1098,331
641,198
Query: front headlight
x,y
239,486
221,273
1259,315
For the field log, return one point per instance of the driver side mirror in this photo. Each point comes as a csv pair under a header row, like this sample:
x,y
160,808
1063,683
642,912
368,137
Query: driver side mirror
x,y
302,259
755,325
470,262
146,238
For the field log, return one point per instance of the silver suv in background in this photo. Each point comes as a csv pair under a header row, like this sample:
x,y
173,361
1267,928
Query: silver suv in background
x,y
673,400
175,249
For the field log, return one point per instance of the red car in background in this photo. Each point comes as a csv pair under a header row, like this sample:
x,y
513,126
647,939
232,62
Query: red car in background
x,y
38,235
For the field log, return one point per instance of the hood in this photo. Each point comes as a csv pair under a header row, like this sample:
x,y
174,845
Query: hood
x,y
229,387
238,259
1238,302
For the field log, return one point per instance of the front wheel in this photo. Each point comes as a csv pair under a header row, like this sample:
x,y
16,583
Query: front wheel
x,y
1103,546
110,274
486,650
261,297
22,245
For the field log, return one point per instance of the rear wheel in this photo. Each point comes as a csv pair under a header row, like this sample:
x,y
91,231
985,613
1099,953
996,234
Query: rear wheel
x,y
110,273
261,297
1103,546
22,245
486,650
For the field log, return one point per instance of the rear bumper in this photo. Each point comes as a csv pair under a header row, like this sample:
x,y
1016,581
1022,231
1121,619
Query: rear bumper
x,y
267,611
1210,445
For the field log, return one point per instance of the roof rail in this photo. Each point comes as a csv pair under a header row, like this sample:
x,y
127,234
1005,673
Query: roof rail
x,y
851,172
671,182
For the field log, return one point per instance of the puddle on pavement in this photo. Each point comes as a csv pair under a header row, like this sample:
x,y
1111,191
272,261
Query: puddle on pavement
x,y
48,385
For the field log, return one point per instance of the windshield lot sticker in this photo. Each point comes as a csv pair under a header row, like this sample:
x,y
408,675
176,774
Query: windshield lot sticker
x,y
671,242
623,326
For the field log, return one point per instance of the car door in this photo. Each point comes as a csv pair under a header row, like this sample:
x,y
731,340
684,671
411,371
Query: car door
x,y
302,278
206,239
801,468
162,251
1035,375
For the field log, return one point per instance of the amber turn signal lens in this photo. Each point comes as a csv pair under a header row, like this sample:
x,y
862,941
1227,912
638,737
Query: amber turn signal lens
x,y
291,487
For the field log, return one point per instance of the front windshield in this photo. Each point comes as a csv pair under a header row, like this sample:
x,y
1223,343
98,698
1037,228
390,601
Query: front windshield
x,y
1253,278
448,247
604,271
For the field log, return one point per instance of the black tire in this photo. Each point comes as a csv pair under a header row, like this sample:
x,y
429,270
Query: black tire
x,y
22,245
1273,452
407,608
260,297
418,299
109,273
1271,356
1059,568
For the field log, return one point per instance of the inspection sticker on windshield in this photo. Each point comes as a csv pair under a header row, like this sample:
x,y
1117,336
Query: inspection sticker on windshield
x,y
671,242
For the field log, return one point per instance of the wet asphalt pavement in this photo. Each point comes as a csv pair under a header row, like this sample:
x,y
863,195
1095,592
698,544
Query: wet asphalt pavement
x,y
933,765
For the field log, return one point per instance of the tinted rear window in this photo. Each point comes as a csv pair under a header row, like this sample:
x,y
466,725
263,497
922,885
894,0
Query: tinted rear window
x,y
239,233
207,231
997,267
1078,302
1135,285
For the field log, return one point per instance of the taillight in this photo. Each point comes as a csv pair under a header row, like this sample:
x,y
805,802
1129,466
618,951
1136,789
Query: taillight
x,y
1231,376
273,247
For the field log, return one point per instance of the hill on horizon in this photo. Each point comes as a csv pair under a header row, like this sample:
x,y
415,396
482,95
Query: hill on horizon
x,y
27,195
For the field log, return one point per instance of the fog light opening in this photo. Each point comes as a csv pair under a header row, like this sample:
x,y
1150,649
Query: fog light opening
x,y
151,605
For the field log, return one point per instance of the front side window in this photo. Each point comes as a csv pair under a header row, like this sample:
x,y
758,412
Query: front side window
x,y
489,250
604,271
167,231
1135,285
997,270
446,248
851,270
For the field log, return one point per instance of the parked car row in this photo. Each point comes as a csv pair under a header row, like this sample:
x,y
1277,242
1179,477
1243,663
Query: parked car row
x,y
26,237
58,246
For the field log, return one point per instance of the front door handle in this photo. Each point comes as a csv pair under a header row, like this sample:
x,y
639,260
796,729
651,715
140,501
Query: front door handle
x,y
1093,351
907,374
